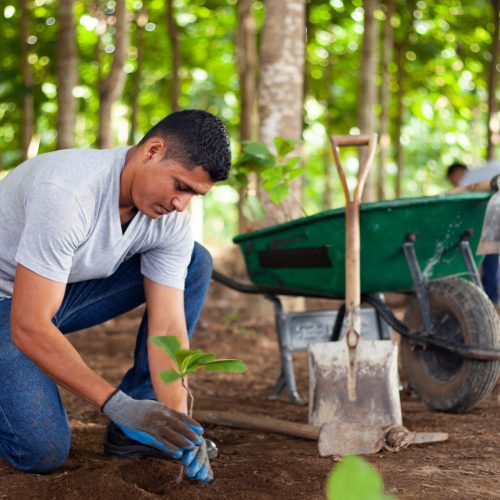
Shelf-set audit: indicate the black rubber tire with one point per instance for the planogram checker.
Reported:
(445, 381)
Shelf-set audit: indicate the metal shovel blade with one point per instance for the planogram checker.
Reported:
(376, 384)
(347, 438)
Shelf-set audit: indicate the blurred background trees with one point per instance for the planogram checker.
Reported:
(98, 73)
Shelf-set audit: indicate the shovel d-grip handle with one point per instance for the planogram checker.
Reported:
(352, 237)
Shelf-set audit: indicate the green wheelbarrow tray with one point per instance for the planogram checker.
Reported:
(307, 255)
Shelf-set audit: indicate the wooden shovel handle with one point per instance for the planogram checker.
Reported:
(352, 248)
(338, 141)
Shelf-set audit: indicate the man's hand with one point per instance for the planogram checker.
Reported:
(197, 464)
(154, 424)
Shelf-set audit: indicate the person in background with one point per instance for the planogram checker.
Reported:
(460, 175)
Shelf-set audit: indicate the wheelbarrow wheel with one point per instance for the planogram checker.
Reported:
(446, 381)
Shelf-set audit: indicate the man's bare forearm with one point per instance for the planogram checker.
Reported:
(47, 347)
(173, 395)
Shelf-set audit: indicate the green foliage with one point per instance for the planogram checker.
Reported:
(188, 361)
(355, 479)
(274, 172)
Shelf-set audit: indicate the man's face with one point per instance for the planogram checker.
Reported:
(162, 186)
(456, 176)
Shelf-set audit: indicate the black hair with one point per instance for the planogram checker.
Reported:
(195, 138)
(454, 167)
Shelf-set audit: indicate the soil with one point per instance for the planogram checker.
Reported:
(254, 465)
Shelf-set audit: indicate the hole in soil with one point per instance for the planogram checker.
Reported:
(153, 476)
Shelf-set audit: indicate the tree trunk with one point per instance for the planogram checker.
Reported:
(327, 152)
(493, 128)
(28, 112)
(142, 19)
(246, 59)
(281, 89)
(112, 85)
(368, 89)
(173, 36)
(67, 75)
(385, 141)
(400, 50)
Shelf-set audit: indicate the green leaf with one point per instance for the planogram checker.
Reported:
(170, 344)
(279, 193)
(354, 479)
(295, 173)
(198, 359)
(225, 365)
(256, 149)
(181, 355)
(169, 376)
(292, 162)
(284, 146)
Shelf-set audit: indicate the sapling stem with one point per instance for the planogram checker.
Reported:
(178, 480)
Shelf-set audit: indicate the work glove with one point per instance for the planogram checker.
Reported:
(152, 423)
(197, 463)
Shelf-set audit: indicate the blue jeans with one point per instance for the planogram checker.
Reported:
(34, 431)
(490, 277)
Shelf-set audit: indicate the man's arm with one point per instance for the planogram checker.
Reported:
(166, 316)
(35, 301)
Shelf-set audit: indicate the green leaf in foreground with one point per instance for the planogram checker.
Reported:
(355, 479)
(169, 343)
(198, 359)
(169, 376)
(225, 365)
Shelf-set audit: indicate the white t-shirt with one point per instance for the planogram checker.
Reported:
(59, 217)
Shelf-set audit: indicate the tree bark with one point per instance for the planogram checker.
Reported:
(493, 124)
(247, 60)
(67, 75)
(173, 36)
(142, 19)
(368, 89)
(327, 151)
(400, 50)
(28, 111)
(112, 85)
(385, 141)
(281, 89)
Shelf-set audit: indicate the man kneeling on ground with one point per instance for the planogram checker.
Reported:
(86, 235)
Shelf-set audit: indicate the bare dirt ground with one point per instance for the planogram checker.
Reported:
(254, 465)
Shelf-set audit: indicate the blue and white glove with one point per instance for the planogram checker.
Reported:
(197, 464)
(154, 424)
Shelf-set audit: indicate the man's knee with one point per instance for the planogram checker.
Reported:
(39, 454)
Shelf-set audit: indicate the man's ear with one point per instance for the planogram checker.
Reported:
(154, 147)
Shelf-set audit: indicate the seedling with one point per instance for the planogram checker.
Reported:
(188, 361)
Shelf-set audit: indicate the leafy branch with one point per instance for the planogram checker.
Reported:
(275, 172)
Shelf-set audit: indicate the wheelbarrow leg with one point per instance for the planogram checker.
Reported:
(418, 282)
(469, 258)
(286, 380)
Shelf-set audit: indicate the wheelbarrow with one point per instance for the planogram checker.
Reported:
(424, 247)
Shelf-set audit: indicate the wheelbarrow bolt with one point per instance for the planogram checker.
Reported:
(468, 234)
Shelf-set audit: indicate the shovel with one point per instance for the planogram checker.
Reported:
(334, 438)
(354, 381)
